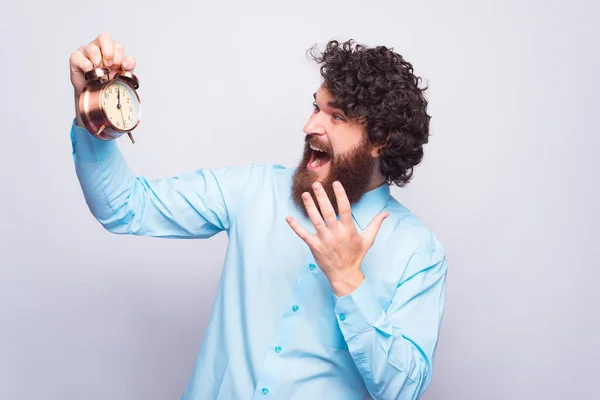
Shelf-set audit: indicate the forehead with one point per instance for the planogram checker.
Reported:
(325, 98)
(323, 94)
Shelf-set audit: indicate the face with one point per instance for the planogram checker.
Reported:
(336, 148)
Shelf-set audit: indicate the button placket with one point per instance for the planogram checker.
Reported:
(285, 331)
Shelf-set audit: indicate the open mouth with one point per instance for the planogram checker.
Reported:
(318, 158)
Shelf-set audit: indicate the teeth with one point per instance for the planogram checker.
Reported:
(315, 162)
(312, 146)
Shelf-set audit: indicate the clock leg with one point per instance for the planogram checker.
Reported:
(100, 130)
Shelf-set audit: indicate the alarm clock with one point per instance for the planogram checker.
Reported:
(110, 107)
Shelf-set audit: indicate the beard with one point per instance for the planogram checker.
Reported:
(352, 169)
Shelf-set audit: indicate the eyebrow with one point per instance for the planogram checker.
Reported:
(332, 104)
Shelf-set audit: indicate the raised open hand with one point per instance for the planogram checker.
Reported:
(337, 246)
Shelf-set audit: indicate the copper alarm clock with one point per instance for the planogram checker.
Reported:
(110, 107)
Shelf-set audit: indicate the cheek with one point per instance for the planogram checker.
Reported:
(343, 146)
(345, 139)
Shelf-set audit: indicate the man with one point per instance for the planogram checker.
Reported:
(330, 289)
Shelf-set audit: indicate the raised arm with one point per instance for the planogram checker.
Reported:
(191, 205)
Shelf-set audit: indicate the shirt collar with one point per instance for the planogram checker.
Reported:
(370, 204)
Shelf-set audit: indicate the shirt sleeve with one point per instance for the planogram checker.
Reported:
(196, 204)
(394, 348)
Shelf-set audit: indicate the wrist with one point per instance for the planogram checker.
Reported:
(79, 121)
(347, 283)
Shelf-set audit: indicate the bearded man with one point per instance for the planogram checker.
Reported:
(330, 288)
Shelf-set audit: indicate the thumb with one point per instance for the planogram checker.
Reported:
(373, 228)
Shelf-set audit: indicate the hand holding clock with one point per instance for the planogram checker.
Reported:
(101, 50)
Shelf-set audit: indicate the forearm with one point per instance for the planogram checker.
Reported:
(393, 343)
(390, 364)
(105, 179)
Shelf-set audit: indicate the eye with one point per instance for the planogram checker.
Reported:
(316, 107)
(338, 117)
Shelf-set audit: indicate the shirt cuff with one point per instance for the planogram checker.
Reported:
(87, 147)
(360, 311)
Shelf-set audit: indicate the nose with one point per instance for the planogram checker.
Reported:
(313, 126)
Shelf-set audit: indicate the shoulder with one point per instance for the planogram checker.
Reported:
(412, 243)
(407, 230)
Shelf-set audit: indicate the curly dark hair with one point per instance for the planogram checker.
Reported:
(377, 86)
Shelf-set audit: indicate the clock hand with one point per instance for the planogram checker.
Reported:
(119, 105)
(122, 117)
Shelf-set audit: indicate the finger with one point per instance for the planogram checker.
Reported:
(299, 230)
(313, 213)
(92, 52)
(79, 62)
(373, 228)
(129, 63)
(343, 204)
(324, 204)
(105, 43)
(119, 54)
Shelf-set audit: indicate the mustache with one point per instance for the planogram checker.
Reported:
(308, 140)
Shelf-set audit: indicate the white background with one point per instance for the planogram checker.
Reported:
(509, 184)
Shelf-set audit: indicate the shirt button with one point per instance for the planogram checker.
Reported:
(294, 308)
(264, 391)
(312, 267)
(342, 316)
(277, 349)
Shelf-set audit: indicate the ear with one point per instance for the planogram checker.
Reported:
(376, 149)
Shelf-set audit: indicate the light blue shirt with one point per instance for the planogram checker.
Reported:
(277, 331)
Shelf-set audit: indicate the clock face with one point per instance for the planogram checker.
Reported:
(121, 105)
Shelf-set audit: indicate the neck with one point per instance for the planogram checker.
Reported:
(376, 180)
